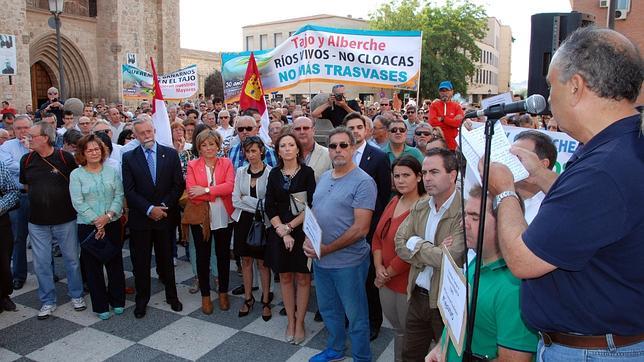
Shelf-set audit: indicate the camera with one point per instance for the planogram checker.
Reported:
(339, 97)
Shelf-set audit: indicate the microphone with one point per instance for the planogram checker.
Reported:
(534, 104)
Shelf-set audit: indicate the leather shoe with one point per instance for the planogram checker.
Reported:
(176, 306)
(7, 304)
(224, 303)
(373, 333)
(18, 284)
(139, 313)
(206, 305)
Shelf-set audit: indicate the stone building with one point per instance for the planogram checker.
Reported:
(96, 37)
(207, 63)
(493, 68)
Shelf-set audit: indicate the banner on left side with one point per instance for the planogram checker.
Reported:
(7, 54)
(180, 84)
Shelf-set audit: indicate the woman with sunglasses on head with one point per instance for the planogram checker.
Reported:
(211, 179)
(290, 189)
(250, 188)
(391, 271)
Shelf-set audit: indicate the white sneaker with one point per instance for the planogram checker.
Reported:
(79, 304)
(46, 310)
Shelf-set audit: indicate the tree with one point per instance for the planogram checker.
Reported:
(214, 85)
(450, 32)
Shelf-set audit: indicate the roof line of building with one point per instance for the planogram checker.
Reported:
(305, 18)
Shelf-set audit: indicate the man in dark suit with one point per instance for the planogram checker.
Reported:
(153, 183)
(376, 163)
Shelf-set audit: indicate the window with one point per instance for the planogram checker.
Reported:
(263, 41)
(249, 42)
(277, 39)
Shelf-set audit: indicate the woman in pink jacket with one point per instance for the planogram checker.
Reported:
(211, 179)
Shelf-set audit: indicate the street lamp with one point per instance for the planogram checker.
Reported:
(56, 8)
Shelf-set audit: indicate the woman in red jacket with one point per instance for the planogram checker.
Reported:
(391, 271)
(211, 179)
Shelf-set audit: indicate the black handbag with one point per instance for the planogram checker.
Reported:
(257, 233)
(102, 249)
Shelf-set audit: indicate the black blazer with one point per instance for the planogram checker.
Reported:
(376, 163)
(141, 193)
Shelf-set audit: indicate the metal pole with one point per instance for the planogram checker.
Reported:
(612, 7)
(61, 72)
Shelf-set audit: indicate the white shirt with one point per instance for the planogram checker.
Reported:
(357, 156)
(219, 217)
(424, 278)
(116, 131)
(532, 206)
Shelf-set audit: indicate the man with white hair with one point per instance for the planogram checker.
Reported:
(53, 105)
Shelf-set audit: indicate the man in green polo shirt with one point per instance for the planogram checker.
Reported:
(499, 331)
(397, 146)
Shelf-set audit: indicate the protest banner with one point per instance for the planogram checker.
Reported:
(7, 54)
(180, 84)
(382, 59)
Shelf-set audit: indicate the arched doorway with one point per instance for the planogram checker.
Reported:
(78, 82)
(40, 82)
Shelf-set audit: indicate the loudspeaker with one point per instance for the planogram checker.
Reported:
(549, 30)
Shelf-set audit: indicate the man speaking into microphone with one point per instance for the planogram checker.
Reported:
(582, 257)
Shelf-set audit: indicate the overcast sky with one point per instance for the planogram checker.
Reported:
(207, 25)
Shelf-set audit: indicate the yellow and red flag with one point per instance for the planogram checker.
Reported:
(252, 96)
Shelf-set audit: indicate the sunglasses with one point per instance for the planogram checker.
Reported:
(342, 145)
(247, 129)
(103, 131)
(224, 117)
(423, 133)
(302, 128)
(411, 111)
(397, 130)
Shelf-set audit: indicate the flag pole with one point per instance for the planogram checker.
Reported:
(420, 71)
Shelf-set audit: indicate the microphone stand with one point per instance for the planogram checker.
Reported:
(468, 355)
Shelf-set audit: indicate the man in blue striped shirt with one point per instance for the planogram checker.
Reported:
(8, 199)
(10, 154)
(247, 127)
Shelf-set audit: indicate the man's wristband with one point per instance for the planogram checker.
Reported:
(497, 200)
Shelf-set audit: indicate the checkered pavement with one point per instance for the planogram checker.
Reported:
(163, 335)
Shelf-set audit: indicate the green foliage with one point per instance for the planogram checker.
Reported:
(214, 84)
(450, 33)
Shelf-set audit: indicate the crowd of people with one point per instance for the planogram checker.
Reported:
(560, 274)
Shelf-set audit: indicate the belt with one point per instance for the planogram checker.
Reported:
(422, 291)
(588, 342)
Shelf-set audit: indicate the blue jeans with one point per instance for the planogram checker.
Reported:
(559, 353)
(19, 229)
(41, 241)
(341, 292)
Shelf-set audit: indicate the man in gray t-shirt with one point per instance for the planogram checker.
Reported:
(343, 204)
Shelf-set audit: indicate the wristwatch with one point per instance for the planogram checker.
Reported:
(501, 196)
(207, 190)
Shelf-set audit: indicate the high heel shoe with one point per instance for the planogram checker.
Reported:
(266, 306)
(297, 341)
(249, 303)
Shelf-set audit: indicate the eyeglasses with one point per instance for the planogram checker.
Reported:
(423, 133)
(302, 128)
(224, 117)
(397, 130)
(384, 105)
(342, 145)
(93, 150)
(53, 94)
(103, 131)
(247, 129)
